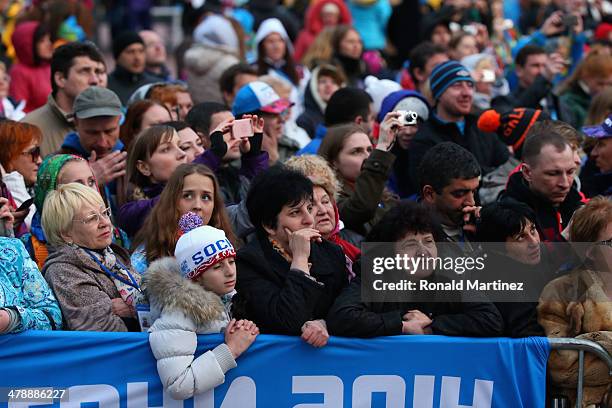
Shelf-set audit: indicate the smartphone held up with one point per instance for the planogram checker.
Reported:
(242, 128)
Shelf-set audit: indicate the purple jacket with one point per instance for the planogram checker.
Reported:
(131, 215)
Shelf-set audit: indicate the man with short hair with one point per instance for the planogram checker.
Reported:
(449, 176)
(129, 73)
(452, 88)
(423, 59)
(155, 55)
(97, 112)
(536, 71)
(234, 78)
(74, 67)
(546, 182)
(346, 105)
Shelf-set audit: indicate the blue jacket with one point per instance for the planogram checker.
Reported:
(72, 145)
(371, 23)
(24, 289)
(313, 146)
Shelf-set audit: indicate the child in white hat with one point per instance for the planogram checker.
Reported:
(189, 295)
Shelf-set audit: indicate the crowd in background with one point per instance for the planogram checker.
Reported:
(232, 192)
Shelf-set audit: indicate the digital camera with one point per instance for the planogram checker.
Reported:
(408, 118)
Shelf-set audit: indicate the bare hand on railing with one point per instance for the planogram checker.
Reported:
(416, 322)
(314, 332)
(240, 335)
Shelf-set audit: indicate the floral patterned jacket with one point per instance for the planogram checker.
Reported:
(25, 291)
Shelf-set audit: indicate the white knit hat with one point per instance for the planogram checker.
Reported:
(273, 25)
(378, 89)
(201, 247)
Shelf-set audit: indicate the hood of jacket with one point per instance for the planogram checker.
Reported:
(273, 25)
(217, 31)
(167, 291)
(312, 99)
(314, 24)
(200, 59)
(23, 41)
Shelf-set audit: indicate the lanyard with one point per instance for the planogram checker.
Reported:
(133, 282)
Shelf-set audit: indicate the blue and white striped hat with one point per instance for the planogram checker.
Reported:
(445, 74)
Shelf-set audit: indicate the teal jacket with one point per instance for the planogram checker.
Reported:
(25, 291)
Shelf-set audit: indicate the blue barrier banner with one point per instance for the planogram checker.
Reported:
(118, 370)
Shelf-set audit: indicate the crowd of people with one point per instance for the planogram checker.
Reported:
(235, 192)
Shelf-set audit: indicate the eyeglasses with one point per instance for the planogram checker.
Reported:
(95, 218)
(33, 153)
(607, 242)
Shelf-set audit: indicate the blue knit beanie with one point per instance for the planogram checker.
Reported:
(445, 74)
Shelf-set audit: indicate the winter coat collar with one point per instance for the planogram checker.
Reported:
(168, 291)
(123, 75)
(551, 219)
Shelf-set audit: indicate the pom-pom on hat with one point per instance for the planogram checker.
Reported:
(511, 127)
(200, 246)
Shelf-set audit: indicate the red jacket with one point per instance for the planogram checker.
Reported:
(314, 25)
(29, 82)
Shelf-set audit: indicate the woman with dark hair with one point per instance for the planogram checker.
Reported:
(409, 229)
(30, 75)
(189, 141)
(347, 51)
(140, 116)
(154, 156)
(516, 255)
(362, 170)
(288, 276)
(191, 188)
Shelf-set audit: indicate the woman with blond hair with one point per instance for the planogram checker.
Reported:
(579, 305)
(92, 278)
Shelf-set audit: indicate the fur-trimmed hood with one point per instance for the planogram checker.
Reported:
(168, 291)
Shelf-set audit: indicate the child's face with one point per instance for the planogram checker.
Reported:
(219, 278)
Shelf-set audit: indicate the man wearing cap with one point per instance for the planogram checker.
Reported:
(97, 112)
(452, 89)
(596, 182)
(74, 67)
(406, 101)
(129, 74)
(258, 98)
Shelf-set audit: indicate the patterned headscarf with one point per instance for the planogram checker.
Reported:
(46, 181)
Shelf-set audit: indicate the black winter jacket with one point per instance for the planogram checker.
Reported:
(350, 317)
(279, 299)
(489, 151)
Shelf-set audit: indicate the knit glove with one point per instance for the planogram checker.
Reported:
(218, 145)
(256, 141)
